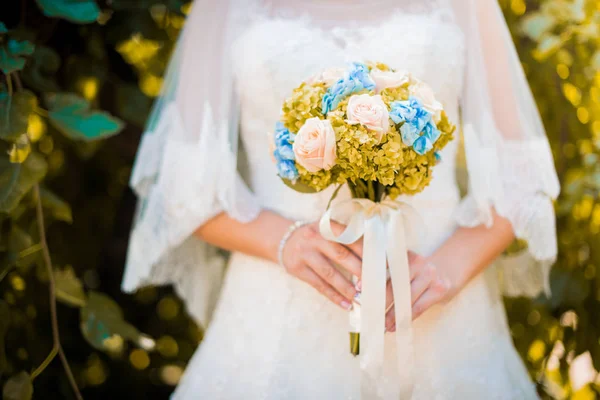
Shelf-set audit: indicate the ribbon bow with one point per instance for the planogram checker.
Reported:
(386, 226)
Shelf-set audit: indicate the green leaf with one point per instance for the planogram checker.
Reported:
(132, 105)
(299, 186)
(59, 209)
(69, 288)
(18, 387)
(14, 113)
(39, 72)
(102, 319)
(71, 115)
(17, 179)
(78, 11)
(12, 55)
(3, 28)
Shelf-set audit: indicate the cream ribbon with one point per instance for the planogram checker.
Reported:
(386, 226)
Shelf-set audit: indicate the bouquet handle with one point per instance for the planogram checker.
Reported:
(385, 226)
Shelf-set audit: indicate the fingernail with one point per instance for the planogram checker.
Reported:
(359, 286)
(392, 329)
(346, 305)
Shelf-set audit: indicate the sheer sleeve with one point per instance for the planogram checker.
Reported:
(185, 171)
(509, 160)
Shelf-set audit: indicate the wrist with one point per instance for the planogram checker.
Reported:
(292, 228)
(268, 239)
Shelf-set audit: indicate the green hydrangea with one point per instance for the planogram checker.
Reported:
(305, 103)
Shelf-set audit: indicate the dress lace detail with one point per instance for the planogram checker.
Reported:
(527, 189)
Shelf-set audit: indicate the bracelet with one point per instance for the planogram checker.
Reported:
(286, 236)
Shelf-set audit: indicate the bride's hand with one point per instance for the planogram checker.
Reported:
(429, 285)
(312, 259)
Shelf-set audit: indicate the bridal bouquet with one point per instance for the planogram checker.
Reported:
(379, 131)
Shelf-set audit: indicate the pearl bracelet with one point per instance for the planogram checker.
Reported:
(286, 236)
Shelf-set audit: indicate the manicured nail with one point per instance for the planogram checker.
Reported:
(359, 286)
(346, 305)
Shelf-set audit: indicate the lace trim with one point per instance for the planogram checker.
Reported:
(192, 183)
(523, 195)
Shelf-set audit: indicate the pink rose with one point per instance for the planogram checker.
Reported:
(388, 79)
(314, 145)
(369, 111)
(328, 76)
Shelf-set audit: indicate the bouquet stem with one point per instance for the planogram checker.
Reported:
(375, 192)
(355, 343)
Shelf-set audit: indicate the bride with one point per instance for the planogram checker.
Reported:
(277, 316)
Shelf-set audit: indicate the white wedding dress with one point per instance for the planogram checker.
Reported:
(272, 336)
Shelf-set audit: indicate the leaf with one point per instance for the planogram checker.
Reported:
(18, 387)
(299, 186)
(102, 318)
(39, 72)
(20, 149)
(132, 105)
(17, 179)
(3, 28)
(14, 113)
(69, 288)
(538, 24)
(71, 114)
(58, 208)
(78, 11)
(12, 56)
(548, 46)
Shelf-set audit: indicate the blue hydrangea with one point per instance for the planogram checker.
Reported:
(422, 145)
(284, 153)
(432, 132)
(418, 129)
(286, 169)
(356, 79)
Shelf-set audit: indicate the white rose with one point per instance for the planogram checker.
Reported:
(328, 76)
(369, 111)
(423, 92)
(388, 79)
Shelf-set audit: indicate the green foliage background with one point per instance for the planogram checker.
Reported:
(77, 72)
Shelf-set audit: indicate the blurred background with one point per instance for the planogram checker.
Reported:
(77, 81)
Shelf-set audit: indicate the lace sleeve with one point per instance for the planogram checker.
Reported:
(509, 160)
(185, 172)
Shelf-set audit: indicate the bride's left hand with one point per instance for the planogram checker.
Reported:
(430, 284)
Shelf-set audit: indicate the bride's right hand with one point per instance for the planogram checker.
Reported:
(313, 259)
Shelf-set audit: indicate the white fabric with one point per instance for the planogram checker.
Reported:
(273, 337)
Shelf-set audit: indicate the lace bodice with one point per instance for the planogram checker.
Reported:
(275, 53)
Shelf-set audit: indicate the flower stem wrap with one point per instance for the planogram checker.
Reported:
(386, 226)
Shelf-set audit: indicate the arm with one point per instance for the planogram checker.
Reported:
(306, 255)
(259, 238)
